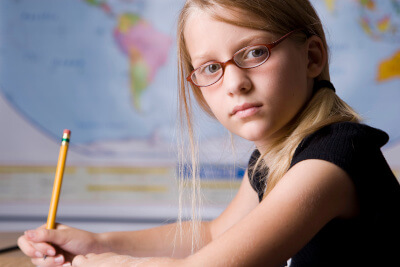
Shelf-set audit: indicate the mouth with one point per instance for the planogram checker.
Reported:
(246, 110)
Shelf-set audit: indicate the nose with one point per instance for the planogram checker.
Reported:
(236, 80)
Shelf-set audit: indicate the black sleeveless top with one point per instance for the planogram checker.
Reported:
(371, 239)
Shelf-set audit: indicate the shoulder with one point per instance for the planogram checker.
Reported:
(356, 149)
(346, 132)
(341, 143)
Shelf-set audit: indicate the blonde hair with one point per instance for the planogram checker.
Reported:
(278, 17)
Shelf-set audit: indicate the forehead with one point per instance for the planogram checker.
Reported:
(207, 37)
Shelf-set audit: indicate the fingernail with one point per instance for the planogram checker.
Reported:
(51, 252)
(59, 259)
(66, 264)
(38, 254)
(30, 233)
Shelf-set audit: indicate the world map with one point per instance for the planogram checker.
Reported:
(106, 69)
(382, 23)
(364, 36)
(380, 20)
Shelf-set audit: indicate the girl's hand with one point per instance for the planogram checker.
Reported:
(60, 245)
(112, 259)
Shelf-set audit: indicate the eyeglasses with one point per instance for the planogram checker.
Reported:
(246, 58)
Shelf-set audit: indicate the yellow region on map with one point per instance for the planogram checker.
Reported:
(369, 4)
(330, 5)
(384, 24)
(390, 68)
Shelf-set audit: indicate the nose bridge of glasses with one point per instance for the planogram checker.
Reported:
(229, 61)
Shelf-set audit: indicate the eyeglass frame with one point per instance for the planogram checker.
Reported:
(223, 64)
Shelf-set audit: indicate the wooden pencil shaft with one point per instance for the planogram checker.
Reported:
(51, 218)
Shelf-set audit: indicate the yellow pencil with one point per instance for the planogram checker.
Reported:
(55, 196)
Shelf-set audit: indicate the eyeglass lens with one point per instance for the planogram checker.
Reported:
(248, 57)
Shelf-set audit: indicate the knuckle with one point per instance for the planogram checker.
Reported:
(30, 251)
(45, 235)
(41, 233)
(43, 247)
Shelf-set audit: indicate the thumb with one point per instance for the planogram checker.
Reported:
(45, 235)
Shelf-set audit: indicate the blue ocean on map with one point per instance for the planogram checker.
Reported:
(61, 67)
(106, 70)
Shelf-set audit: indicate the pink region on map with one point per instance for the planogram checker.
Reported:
(142, 39)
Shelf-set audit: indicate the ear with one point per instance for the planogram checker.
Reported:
(317, 56)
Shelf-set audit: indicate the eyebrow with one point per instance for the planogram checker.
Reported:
(246, 41)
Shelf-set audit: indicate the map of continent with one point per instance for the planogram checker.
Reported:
(146, 48)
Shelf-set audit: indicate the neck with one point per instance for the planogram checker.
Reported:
(265, 146)
(276, 139)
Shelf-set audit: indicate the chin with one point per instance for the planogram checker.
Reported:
(252, 138)
(253, 135)
(253, 131)
(258, 132)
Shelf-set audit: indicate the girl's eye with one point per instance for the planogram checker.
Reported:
(251, 56)
(211, 68)
(256, 52)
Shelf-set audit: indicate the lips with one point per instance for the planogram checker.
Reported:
(245, 106)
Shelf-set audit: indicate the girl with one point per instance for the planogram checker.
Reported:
(317, 190)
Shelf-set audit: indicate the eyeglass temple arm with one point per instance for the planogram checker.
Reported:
(273, 44)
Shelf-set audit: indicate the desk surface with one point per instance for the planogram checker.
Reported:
(15, 257)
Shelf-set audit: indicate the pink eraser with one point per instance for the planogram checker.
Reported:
(67, 131)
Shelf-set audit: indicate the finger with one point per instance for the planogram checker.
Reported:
(58, 260)
(45, 235)
(37, 243)
(79, 261)
(58, 226)
(26, 247)
(35, 250)
(44, 249)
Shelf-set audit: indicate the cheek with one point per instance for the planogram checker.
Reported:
(284, 88)
(213, 101)
(288, 77)
(219, 107)
(289, 66)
